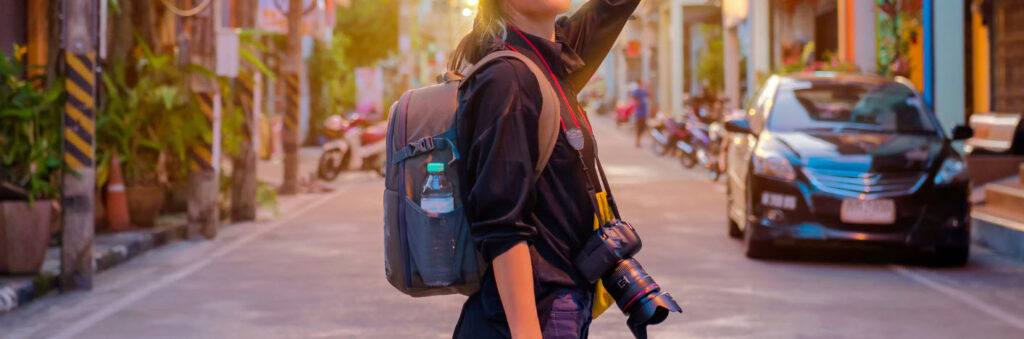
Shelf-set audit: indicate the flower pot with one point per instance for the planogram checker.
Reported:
(176, 197)
(144, 203)
(24, 235)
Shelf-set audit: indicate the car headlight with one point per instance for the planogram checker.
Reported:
(773, 164)
(952, 170)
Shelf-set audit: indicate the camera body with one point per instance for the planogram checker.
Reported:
(608, 256)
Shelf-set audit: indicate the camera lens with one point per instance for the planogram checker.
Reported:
(638, 296)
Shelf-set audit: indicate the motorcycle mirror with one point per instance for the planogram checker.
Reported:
(961, 132)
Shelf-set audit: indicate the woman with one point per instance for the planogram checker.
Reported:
(529, 231)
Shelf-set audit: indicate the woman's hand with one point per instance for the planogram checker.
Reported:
(513, 272)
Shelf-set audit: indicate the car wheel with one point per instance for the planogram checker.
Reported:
(657, 147)
(688, 161)
(951, 256)
(734, 229)
(328, 169)
(754, 248)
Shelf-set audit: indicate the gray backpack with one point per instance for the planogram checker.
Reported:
(427, 255)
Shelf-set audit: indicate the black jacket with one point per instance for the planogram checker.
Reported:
(496, 125)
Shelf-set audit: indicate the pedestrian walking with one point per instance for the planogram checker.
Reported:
(640, 102)
(529, 229)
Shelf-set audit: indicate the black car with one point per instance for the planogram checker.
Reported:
(834, 159)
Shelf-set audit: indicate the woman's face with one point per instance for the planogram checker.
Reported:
(539, 8)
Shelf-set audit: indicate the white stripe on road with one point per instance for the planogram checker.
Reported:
(995, 312)
(130, 298)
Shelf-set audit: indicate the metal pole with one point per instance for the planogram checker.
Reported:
(80, 24)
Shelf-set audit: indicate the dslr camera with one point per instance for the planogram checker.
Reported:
(608, 256)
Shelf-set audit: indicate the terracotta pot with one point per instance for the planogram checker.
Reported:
(144, 203)
(176, 197)
(24, 235)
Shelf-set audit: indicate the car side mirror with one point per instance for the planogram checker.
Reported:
(961, 132)
(738, 126)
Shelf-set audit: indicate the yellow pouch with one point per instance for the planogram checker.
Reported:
(602, 300)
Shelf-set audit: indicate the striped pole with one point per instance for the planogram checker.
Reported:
(79, 180)
(203, 207)
(79, 131)
(203, 210)
(291, 134)
(202, 153)
(243, 169)
(291, 68)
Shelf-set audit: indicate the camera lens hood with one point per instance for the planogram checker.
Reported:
(651, 310)
(638, 296)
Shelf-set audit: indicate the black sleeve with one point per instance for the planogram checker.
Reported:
(592, 31)
(498, 133)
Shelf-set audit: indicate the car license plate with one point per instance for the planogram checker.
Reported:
(857, 211)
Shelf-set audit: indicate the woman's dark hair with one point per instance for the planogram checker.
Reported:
(488, 26)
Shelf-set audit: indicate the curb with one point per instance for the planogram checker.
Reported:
(1002, 235)
(109, 251)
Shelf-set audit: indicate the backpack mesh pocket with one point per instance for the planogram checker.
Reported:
(434, 245)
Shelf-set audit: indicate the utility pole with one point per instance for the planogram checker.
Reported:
(203, 213)
(243, 176)
(80, 39)
(292, 68)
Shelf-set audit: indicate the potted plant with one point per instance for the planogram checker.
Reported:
(30, 165)
(150, 121)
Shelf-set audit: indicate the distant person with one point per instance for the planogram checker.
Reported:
(529, 230)
(640, 101)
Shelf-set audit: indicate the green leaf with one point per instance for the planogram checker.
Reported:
(20, 113)
(257, 63)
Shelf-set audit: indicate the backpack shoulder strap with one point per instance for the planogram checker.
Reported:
(547, 126)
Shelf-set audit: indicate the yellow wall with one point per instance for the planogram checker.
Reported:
(916, 59)
(980, 59)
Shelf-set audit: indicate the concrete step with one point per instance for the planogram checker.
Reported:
(1000, 229)
(1008, 197)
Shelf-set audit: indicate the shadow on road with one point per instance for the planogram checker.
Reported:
(852, 256)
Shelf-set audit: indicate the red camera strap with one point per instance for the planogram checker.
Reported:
(600, 170)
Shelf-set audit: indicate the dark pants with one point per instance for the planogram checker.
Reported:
(564, 315)
(641, 127)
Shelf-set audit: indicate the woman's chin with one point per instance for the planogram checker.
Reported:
(543, 7)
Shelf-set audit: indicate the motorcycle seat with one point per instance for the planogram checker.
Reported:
(373, 135)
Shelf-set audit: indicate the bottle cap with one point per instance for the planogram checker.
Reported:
(435, 167)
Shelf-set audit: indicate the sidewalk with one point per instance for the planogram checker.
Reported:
(113, 249)
(272, 171)
(109, 250)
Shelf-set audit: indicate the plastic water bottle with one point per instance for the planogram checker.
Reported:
(437, 197)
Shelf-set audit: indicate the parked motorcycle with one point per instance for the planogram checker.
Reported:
(670, 135)
(355, 144)
(623, 113)
(707, 134)
(716, 162)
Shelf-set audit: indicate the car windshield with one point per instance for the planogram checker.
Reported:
(848, 107)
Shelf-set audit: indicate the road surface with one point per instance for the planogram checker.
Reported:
(317, 272)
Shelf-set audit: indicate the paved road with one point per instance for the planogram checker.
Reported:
(316, 272)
